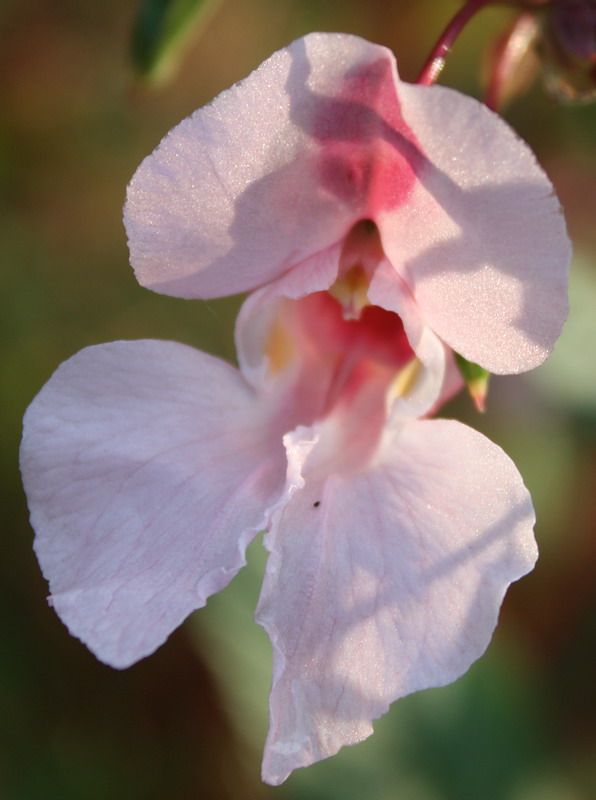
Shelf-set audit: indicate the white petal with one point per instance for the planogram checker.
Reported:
(386, 582)
(148, 469)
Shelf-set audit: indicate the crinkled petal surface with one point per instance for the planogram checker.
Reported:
(386, 582)
(148, 471)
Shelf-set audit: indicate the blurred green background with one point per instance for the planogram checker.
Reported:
(190, 721)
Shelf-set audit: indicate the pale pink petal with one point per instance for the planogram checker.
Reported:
(275, 169)
(148, 470)
(482, 240)
(385, 582)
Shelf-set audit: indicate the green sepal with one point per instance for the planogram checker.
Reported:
(476, 379)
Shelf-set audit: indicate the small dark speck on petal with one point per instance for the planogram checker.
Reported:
(317, 504)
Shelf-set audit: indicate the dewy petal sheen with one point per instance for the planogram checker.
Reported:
(379, 228)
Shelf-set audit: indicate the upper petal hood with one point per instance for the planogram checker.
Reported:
(275, 169)
(324, 134)
(148, 470)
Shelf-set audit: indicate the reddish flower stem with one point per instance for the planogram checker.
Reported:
(436, 60)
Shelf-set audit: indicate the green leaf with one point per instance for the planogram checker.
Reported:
(161, 31)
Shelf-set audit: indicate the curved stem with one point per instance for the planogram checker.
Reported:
(436, 60)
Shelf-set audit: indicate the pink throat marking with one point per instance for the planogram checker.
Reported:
(343, 363)
(369, 158)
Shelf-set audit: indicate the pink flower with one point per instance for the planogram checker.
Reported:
(379, 226)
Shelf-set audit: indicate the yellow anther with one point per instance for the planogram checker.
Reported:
(406, 379)
(280, 347)
(351, 291)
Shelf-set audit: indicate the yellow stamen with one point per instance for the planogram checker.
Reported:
(351, 291)
(405, 379)
(280, 347)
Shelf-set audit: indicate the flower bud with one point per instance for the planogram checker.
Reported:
(569, 49)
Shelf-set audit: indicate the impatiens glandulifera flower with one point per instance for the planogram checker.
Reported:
(379, 227)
